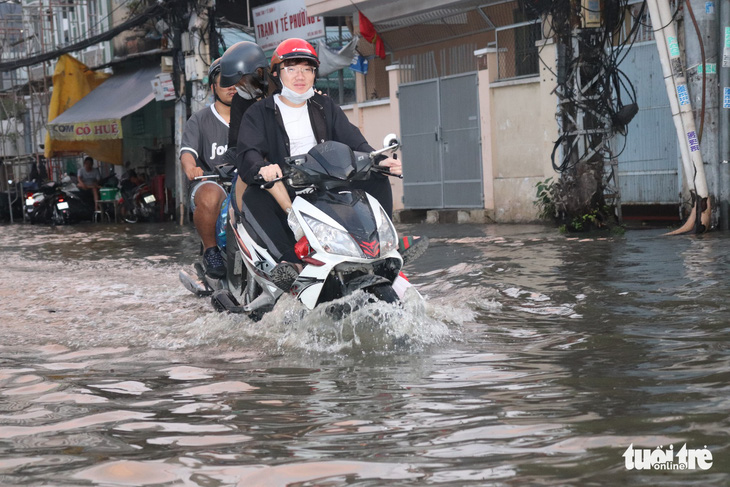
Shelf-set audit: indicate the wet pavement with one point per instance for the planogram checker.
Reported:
(535, 358)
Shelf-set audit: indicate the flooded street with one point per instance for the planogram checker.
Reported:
(535, 359)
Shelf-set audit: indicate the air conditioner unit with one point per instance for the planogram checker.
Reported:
(36, 72)
(93, 57)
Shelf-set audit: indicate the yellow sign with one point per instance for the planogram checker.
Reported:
(96, 130)
(72, 80)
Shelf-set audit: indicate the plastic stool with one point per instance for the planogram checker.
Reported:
(106, 212)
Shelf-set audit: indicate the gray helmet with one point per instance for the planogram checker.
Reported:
(213, 70)
(240, 59)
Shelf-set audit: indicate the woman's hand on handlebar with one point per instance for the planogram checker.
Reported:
(394, 166)
(270, 172)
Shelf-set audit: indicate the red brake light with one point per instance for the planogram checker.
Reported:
(311, 260)
(303, 251)
(301, 248)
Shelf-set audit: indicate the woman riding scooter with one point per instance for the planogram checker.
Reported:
(290, 123)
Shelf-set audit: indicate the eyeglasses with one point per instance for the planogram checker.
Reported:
(292, 70)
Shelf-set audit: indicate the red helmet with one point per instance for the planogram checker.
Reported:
(293, 49)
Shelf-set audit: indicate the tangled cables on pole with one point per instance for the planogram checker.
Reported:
(597, 99)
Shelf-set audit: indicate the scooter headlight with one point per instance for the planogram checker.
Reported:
(333, 240)
(386, 233)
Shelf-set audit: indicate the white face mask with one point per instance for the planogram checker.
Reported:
(246, 95)
(295, 97)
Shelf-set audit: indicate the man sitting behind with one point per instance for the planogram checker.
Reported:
(203, 145)
(88, 178)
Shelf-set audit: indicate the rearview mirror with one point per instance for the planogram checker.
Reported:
(390, 140)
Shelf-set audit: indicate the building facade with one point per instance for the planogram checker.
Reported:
(467, 85)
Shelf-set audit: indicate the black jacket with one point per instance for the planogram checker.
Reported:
(239, 105)
(262, 139)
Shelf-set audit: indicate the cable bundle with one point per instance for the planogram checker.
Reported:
(594, 54)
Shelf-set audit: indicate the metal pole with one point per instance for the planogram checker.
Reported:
(340, 75)
(661, 44)
(724, 119)
(696, 180)
(180, 176)
(704, 14)
(10, 201)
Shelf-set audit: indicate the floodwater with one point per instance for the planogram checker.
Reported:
(534, 358)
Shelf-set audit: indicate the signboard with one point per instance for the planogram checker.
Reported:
(359, 64)
(96, 130)
(163, 87)
(278, 21)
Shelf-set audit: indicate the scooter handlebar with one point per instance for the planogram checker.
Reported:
(384, 170)
(206, 176)
(391, 148)
(258, 179)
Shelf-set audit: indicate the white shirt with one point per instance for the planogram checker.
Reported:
(298, 127)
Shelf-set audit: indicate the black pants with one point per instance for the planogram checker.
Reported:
(264, 217)
(87, 196)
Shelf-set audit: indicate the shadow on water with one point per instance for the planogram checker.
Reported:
(535, 359)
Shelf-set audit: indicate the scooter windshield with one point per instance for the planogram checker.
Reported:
(334, 159)
(350, 209)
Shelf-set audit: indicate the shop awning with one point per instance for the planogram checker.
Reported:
(98, 115)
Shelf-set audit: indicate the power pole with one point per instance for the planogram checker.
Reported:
(701, 48)
(586, 132)
(590, 109)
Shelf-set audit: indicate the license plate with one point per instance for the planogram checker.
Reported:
(62, 205)
(150, 198)
(29, 202)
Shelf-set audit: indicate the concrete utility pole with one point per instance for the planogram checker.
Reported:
(587, 133)
(702, 82)
(723, 53)
(192, 46)
(178, 75)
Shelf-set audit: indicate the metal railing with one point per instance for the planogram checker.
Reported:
(517, 53)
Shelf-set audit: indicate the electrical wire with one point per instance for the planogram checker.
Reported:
(156, 10)
(602, 49)
(98, 22)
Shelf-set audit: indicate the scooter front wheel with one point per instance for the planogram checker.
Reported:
(383, 292)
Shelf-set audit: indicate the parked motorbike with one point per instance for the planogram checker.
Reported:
(344, 237)
(137, 201)
(58, 204)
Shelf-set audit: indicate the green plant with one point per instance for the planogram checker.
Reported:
(586, 222)
(545, 202)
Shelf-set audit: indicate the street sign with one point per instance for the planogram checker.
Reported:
(278, 21)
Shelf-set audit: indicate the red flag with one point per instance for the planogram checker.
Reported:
(367, 29)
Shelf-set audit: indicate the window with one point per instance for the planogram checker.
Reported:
(518, 55)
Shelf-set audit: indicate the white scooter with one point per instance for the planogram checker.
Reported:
(344, 237)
